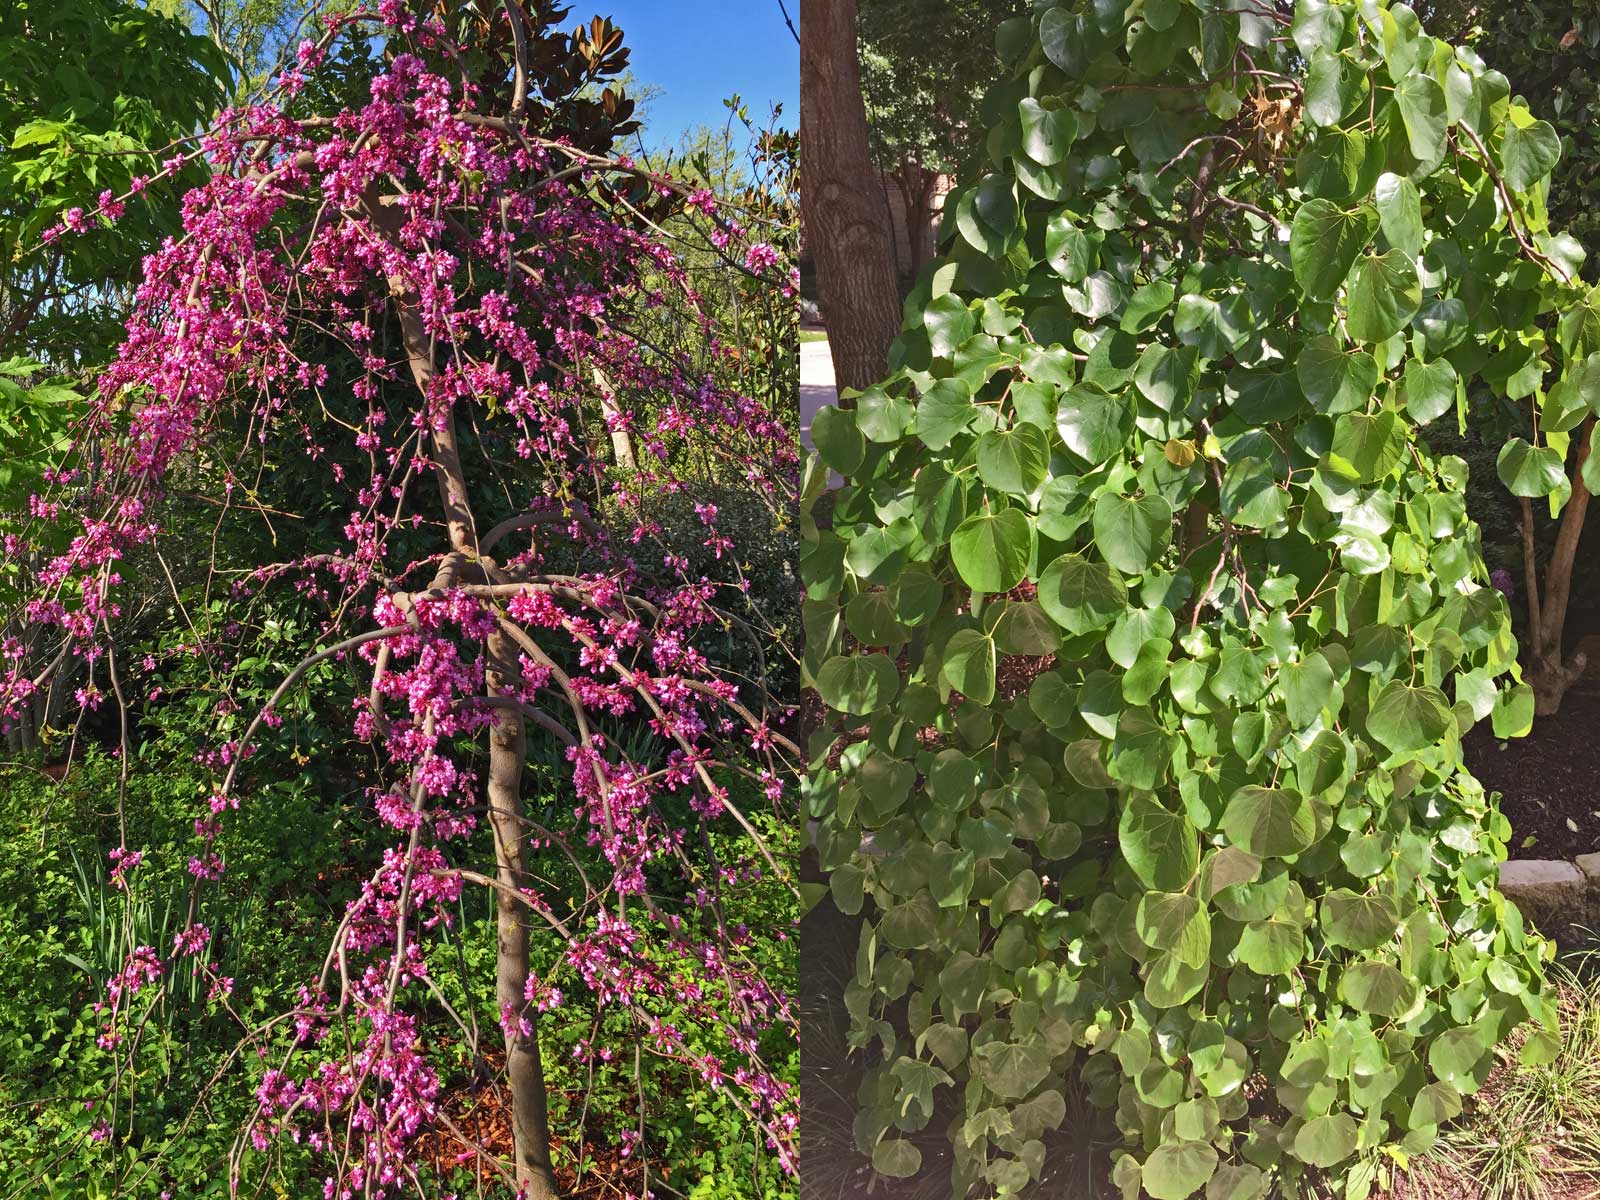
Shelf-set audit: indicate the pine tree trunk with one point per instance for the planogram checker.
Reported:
(846, 227)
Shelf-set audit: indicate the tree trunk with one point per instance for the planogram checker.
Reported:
(916, 187)
(507, 756)
(621, 442)
(845, 225)
(524, 1066)
(1550, 673)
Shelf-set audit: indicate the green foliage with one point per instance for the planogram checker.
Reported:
(1146, 593)
(94, 92)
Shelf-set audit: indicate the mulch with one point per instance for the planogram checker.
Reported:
(1549, 781)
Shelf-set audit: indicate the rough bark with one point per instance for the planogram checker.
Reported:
(846, 228)
(916, 188)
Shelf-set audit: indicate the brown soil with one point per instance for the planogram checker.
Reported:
(1550, 780)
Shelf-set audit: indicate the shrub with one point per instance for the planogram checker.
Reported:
(1148, 628)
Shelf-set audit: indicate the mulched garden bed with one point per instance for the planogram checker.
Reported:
(1547, 780)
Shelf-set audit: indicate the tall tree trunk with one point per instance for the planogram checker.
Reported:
(1550, 673)
(524, 1066)
(845, 225)
(507, 758)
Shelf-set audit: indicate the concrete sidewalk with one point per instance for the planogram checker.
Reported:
(817, 386)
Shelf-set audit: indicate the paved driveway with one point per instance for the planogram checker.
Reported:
(816, 385)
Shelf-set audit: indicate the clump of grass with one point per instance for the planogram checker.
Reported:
(1535, 1132)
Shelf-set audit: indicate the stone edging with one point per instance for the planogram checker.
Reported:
(1555, 894)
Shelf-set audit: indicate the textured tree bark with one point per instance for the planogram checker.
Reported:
(846, 228)
(916, 186)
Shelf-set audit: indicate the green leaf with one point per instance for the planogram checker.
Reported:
(1456, 1055)
(1132, 533)
(1435, 1104)
(950, 875)
(1328, 89)
(881, 417)
(838, 439)
(1318, 25)
(1326, 1141)
(1430, 389)
(1269, 822)
(1420, 100)
(1384, 295)
(1529, 154)
(1213, 327)
(1333, 379)
(1176, 922)
(1366, 448)
(1047, 133)
(969, 665)
(944, 411)
(1407, 719)
(1324, 243)
(949, 323)
(859, 684)
(1166, 376)
(1530, 470)
(1274, 946)
(1161, 848)
(1014, 460)
(1068, 249)
(1377, 988)
(991, 550)
(896, 1158)
(1147, 306)
(1356, 921)
(1308, 687)
(1176, 1170)
(1237, 1181)
(1080, 595)
(1093, 424)
(1400, 213)
(1010, 1069)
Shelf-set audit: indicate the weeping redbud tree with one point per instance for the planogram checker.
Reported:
(1149, 627)
(455, 257)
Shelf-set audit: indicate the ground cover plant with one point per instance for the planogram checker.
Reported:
(1148, 627)
(507, 682)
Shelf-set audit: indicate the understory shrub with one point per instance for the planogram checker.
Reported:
(1148, 627)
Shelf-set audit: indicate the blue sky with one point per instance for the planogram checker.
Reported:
(697, 52)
